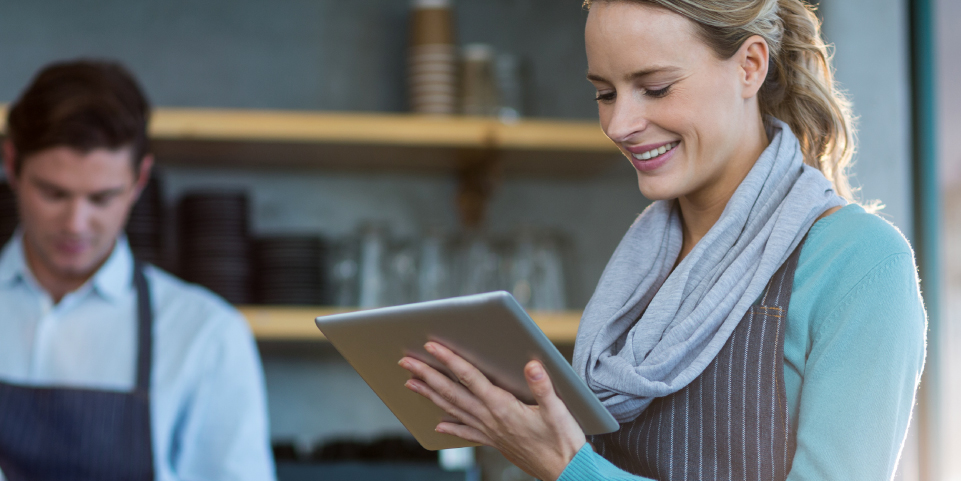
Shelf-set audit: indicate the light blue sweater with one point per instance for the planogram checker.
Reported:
(853, 354)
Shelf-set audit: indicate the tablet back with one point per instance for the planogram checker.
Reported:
(490, 330)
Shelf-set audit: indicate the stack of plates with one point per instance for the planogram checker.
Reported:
(8, 213)
(214, 248)
(290, 270)
(145, 225)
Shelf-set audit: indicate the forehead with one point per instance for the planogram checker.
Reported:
(80, 172)
(629, 35)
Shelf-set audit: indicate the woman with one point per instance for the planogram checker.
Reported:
(752, 324)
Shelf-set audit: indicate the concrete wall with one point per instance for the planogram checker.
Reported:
(289, 54)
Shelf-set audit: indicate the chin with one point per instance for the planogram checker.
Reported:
(81, 265)
(653, 189)
(75, 268)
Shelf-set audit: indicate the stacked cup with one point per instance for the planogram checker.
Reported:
(432, 60)
(479, 92)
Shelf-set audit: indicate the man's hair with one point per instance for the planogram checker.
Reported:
(84, 105)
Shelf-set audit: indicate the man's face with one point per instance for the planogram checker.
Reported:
(73, 206)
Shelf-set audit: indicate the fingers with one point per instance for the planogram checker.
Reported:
(464, 432)
(468, 375)
(420, 387)
(445, 393)
(541, 387)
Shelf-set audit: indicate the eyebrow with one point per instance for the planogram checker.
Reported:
(638, 74)
(100, 193)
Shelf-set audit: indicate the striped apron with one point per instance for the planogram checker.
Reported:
(63, 434)
(731, 422)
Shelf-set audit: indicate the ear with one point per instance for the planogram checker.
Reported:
(9, 155)
(143, 175)
(753, 62)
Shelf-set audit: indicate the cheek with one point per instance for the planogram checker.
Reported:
(114, 216)
(721, 96)
(604, 114)
(711, 116)
(37, 208)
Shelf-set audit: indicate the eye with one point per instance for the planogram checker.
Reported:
(657, 93)
(102, 200)
(53, 194)
(605, 97)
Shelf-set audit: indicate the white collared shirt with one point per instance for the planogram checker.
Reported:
(208, 404)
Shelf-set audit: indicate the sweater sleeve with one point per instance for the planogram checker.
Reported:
(860, 378)
(590, 466)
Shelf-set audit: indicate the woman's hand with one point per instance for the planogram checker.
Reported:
(539, 439)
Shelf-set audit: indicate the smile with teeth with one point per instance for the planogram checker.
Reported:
(655, 152)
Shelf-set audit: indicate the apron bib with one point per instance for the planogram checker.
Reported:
(54, 433)
(731, 422)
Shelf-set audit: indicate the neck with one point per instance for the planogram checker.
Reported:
(56, 283)
(701, 209)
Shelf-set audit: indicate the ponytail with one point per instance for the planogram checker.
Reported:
(802, 92)
(800, 88)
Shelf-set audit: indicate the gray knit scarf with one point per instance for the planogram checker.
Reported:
(686, 316)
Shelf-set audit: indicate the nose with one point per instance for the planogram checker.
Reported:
(78, 216)
(627, 119)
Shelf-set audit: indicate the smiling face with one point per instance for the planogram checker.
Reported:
(687, 120)
(72, 208)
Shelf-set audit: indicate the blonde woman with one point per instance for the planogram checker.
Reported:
(754, 322)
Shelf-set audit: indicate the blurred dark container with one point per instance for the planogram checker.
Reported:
(380, 450)
(363, 471)
(384, 449)
(214, 246)
(145, 224)
(389, 458)
(8, 213)
(290, 270)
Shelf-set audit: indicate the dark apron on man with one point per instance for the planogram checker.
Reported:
(59, 433)
(731, 422)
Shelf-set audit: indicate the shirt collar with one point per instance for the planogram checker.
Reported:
(115, 276)
(112, 280)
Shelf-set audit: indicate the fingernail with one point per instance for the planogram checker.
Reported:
(430, 348)
(537, 373)
(404, 364)
(410, 385)
(439, 430)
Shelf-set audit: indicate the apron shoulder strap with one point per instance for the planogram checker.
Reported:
(144, 330)
(778, 292)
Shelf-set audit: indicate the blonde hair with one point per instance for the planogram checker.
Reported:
(800, 88)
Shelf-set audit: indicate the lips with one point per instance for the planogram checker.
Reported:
(651, 156)
(72, 247)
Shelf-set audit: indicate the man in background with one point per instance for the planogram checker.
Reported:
(110, 369)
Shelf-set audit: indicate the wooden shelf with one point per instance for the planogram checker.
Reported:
(381, 141)
(275, 323)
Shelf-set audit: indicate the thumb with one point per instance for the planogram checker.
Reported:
(541, 387)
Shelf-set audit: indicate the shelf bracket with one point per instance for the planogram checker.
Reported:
(479, 174)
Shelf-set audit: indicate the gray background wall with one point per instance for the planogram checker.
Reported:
(339, 55)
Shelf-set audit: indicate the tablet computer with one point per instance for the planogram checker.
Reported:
(490, 330)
